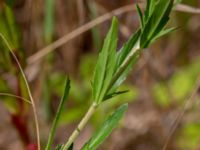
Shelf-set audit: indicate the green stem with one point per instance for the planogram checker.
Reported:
(80, 126)
(124, 65)
(94, 106)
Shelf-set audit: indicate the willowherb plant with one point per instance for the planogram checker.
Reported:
(112, 67)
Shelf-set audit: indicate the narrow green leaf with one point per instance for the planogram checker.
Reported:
(156, 21)
(8, 26)
(49, 20)
(122, 56)
(149, 8)
(126, 49)
(105, 64)
(11, 25)
(58, 114)
(140, 15)
(61, 146)
(126, 70)
(106, 129)
(114, 94)
(163, 33)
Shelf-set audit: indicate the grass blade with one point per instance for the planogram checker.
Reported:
(106, 129)
(58, 114)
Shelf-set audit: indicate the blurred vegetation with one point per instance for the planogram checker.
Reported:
(162, 80)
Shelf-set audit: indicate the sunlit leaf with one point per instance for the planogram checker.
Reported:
(105, 64)
(156, 21)
(105, 129)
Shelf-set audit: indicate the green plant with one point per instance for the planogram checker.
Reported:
(111, 70)
(112, 67)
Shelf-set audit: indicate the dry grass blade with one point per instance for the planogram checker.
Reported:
(187, 9)
(43, 52)
(182, 113)
(15, 96)
(28, 89)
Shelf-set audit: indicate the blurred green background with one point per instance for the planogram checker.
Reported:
(159, 85)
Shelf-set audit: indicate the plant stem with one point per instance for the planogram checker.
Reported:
(123, 66)
(81, 125)
(94, 106)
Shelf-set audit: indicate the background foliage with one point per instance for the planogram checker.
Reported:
(159, 85)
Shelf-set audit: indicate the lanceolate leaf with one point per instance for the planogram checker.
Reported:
(140, 15)
(109, 96)
(163, 33)
(156, 21)
(106, 129)
(105, 64)
(150, 8)
(58, 114)
(126, 70)
(126, 49)
(122, 56)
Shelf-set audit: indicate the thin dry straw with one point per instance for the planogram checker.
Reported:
(15, 96)
(69, 36)
(182, 113)
(28, 89)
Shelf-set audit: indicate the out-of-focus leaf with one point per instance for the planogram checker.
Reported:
(8, 27)
(105, 64)
(177, 2)
(10, 2)
(161, 95)
(122, 55)
(87, 66)
(58, 114)
(179, 86)
(49, 20)
(96, 30)
(106, 129)
(189, 136)
(57, 80)
(61, 146)
(72, 115)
